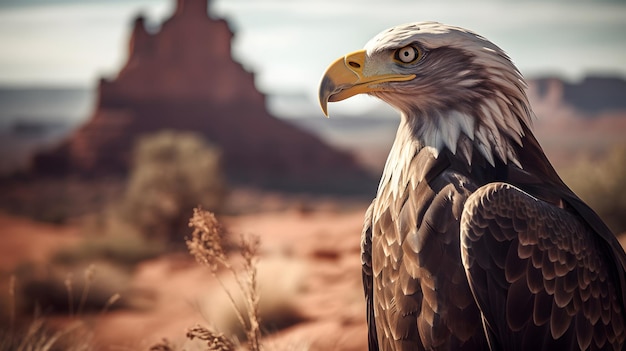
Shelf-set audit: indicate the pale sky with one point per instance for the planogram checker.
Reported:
(289, 43)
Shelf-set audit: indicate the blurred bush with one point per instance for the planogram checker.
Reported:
(600, 184)
(123, 249)
(71, 291)
(172, 173)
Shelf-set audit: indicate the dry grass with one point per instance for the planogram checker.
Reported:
(279, 282)
(207, 246)
(240, 312)
(163, 345)
(214, 341)
(208, 339)
(39, 334)
(71, 291)
(74, 295)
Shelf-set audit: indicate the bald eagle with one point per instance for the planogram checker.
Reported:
(473, 242)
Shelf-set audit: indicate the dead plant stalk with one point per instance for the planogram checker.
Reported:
(206, 246)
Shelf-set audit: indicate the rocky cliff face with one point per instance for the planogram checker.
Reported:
(183, 78)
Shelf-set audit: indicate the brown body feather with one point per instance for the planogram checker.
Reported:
(541, 276)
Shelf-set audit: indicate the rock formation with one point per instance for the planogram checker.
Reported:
(593, 94)
(182, 77)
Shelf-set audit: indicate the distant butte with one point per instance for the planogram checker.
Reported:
(184, 78)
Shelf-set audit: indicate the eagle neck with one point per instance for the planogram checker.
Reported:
(493, 133)
(398, 167)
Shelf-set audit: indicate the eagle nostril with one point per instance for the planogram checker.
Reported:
(354, 64)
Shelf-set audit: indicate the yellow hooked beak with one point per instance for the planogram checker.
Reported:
(345, 78)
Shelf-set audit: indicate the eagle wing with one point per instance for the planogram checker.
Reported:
(368, 283)
(539, 271)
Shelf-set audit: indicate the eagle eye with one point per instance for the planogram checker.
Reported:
(408, 54)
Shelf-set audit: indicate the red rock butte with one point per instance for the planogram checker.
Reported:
(183, 77)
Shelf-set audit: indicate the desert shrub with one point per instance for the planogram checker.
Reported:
(123, 249)
(36, 334)
(600, 184)
(58, 200)
(37, 291)
(71, 291)
(172, 173)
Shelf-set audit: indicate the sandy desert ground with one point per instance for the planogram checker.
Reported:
(309, 261)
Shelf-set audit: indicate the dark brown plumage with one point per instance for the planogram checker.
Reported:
(473, 242)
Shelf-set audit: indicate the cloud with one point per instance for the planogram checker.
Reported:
(68, 44)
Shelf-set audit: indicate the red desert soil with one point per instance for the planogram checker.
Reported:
(25, 240)
(329, 299)
(313, 256)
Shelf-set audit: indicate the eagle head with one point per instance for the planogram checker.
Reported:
(454, 88)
